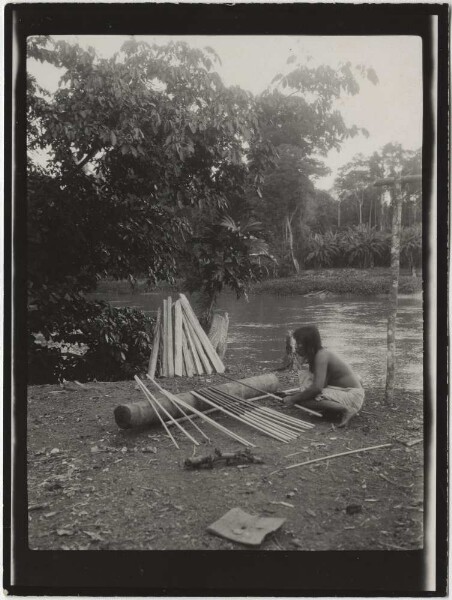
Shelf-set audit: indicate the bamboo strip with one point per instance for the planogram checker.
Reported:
(148, 397)
(178, 339)
(270, 394)
(187, 417)
(206, 412)
(314, 460)
(263, 422)
(308, 410)
(213, 356)
(155, 345)
(298, 423)
(170, 338)
(161, 353)
(192, 347)
(205, 417)
(165, 339)
(242, 420)
(252, 414)
(188, 362)
(199, 349)
(163, 409)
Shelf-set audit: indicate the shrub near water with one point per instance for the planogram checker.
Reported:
(80, 340)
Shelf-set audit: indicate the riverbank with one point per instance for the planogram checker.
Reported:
(93, 486)
(359, 282)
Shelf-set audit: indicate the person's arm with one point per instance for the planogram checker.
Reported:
(320, 370)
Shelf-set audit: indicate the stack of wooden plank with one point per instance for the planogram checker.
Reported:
(181, 346)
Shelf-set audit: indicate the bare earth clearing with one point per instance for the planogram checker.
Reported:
(93, 486)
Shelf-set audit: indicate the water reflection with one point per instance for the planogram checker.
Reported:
(353, 327)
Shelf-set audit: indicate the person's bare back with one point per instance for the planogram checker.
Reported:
(338, 372)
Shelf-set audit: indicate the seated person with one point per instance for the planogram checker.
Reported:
(333, 387)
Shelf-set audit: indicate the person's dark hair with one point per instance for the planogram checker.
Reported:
(309, 337)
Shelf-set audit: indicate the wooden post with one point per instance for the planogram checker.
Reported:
(155, 345)
(178, 339)
(169, 348)
(396, 185)
(165, 340)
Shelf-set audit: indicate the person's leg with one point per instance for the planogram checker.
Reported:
(330, 408)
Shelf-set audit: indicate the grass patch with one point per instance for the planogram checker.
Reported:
(362, 282)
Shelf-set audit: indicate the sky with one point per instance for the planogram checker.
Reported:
(391, 111)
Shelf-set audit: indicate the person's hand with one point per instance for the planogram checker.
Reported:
(281, 395)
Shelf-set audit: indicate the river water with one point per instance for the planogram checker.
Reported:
(352, 326)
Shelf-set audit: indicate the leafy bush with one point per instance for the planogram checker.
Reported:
(324, 250)
(364, 247)
(411, 247)
(71, 338)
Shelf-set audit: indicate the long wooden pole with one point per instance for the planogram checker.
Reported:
(187, 417)
(155, 344)
(170, 348)
(238, 418)
(396, 184)
(205, 417)
(250, 414)
(268, 394)
(269, 414)
(150, 398)
(314, 460)
(163, 409)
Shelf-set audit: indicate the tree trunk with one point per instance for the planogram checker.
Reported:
(290, 241)
(218, 333)
(339, 215)
(393, 295)
(370, 214)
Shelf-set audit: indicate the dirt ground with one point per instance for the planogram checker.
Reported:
(94, 486)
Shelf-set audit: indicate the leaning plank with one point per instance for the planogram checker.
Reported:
(213, 356)
(178, 339)
(188, 361)
(207, 368)
(169, 348)
(155, 345)
(165, 339)
(192, 347)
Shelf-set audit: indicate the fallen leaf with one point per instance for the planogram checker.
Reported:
(65, 532)
(55, 451)
(311, 512)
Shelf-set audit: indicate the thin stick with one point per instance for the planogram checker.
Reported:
(254, 412)
(241, 419)
(205, 417)
(206, 412)
(244, 412)
(275, 414)
(148, 396)
(314, 460)
(175, 421)
(269, 394)
(170, 334)
(308, 410)
(163, 409)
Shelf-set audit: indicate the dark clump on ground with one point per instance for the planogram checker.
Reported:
(94, 486)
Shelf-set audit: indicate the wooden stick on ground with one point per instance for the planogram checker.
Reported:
(250, 416)
(155, 345)
(203, 416)
(242, 420)
(148, 397)
(312, 412)
(163, 409)
(186, 417)
(314, 460)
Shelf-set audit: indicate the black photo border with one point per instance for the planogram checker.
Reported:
(199, 573)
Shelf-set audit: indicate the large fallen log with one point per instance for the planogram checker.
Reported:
(141, 414)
